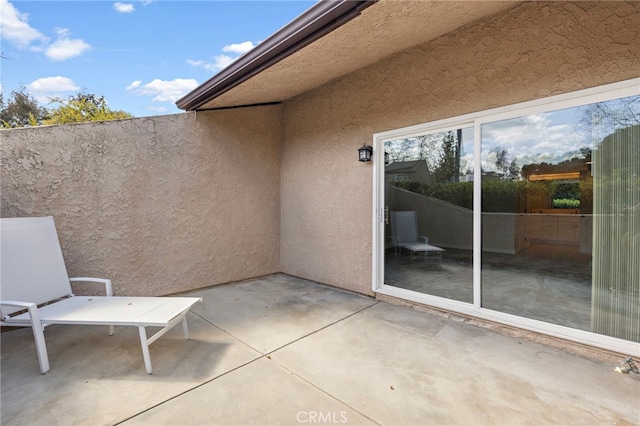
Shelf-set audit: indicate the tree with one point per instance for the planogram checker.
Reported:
(506, 163)
(21, 110)
(83, 107)
(578, 161)
(446, 169)
(612, 115)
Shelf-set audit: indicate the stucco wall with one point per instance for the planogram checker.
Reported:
(160, 205)
(532, 51)
(167, 204)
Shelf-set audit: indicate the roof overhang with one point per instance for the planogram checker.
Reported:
(330, 40)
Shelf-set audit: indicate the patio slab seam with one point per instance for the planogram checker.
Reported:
(323, 327)
(312, 384)
(263, 355)
(206, 382)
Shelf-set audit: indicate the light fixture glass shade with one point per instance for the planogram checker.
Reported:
(364, 153)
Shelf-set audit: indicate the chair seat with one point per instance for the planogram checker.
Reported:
(421, 247)
(121, 311)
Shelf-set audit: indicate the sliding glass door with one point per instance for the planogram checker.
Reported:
(428, 182)
(528, 215)
(552, 182)
(537, 217)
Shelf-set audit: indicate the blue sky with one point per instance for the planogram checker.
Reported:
(140, 55)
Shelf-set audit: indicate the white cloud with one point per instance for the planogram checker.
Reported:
(164, 90)
(134, 85)
(239, 48)
(218, 63)
(222, 61)
(536, 138)
(66, 48)
(15, 29)
(124, 7)
(51, 87)
(198, 63)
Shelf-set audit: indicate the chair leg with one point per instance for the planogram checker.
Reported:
(185, 328)
(145, 348)
(38, 335)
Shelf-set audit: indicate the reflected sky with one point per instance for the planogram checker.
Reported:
(550, 137)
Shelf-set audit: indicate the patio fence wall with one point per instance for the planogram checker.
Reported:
(159, 205)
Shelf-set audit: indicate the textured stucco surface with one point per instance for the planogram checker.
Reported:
(160, 205)
(531, 51)
(387, 27)
(168, 204)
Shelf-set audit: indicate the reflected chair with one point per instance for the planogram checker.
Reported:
(404, 235)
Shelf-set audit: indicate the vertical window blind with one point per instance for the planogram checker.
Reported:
(616, 228)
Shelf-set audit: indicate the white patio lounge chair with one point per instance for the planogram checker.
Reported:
(35, 291)
(404, 235)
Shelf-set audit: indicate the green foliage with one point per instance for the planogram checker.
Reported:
(498, 195)
(21, 110)
(460, 194)
(586, 195)
(83, 107)
(569, 191)
(576, 163)
(446, 168)
(566, 203)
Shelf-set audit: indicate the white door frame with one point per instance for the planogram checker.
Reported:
(573, 99)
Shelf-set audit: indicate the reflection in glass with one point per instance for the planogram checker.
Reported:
(561, 217)
(429, 199)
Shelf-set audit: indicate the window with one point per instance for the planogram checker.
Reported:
(430, 209)
(531, 213)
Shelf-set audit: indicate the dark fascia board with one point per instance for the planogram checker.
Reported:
(319, 20)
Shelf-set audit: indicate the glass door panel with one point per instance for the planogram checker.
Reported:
(429, 204)
(561, 217)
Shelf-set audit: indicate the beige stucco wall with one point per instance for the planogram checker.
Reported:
(532, 51)
(167, 204)
(160, 205)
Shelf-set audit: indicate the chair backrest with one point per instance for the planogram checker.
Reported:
(32, 266)
(404, 227)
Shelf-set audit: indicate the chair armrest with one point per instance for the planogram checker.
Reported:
(31, 307)
(107, 283)
(38, 330)
(424, 239)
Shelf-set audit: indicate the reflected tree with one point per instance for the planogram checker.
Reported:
(603, 118)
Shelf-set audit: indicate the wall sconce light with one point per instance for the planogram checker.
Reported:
(364, 153)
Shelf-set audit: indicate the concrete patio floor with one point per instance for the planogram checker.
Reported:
(281, 350)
